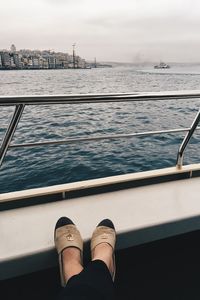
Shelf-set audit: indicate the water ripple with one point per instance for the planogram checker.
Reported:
(44, 166)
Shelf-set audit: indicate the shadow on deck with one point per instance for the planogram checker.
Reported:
(165, 269)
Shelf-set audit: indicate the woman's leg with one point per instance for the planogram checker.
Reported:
(104, 252)
(69, 245)
(92, 283)
(96, 280)
(71, 258)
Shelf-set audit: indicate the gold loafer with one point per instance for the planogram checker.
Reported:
(66, 235)
(104, 233)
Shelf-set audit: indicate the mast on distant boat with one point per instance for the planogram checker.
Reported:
(95, 62)
(74, 62)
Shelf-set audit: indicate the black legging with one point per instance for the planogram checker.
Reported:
(93, 283)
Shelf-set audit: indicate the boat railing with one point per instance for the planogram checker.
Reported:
(21, 101)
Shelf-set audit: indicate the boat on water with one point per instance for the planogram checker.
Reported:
(162, 65)
(156, 213)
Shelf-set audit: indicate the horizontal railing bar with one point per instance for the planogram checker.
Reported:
(96, 98)
(104, 137)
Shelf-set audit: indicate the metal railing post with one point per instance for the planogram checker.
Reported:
(186, 139)
(11, 130)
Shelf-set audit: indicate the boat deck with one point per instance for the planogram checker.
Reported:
(156, 214)
(141, 215)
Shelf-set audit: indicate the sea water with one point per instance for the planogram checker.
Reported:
(56, 164)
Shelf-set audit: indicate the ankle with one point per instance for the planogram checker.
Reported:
(71, 259)
(71, 255)
(104, 252)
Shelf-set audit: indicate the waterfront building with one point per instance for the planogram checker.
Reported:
(72, 62)
(60, 60)
(65, 59)
(37, 59)
(24, 61)
(43, 63)
(6, 59)
(0, 62)
(30, 62)
(66, 64)
(12, 63)
(52, 62)
(35, 62)
(81, 63)
(59, 63)
(16, 60)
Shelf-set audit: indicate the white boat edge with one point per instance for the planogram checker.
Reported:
(94, 183)
(145, 207)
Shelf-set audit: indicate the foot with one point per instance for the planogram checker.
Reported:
(69, 245)
(103, 244)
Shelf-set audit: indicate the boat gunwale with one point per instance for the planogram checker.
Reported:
(95, 186)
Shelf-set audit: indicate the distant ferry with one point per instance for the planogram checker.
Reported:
(162, 65)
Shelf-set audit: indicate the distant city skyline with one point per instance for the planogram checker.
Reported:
(14, 58)
(121, 31)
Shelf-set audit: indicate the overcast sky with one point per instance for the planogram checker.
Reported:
(110, 30)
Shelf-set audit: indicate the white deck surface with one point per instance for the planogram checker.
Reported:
(29, 230)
